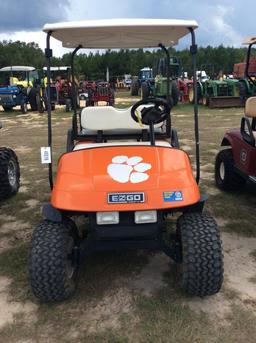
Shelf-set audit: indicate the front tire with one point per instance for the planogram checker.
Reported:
(68, 105)
(144, 90)
(243, 93)
(32, 99)
(9, 173)
(202, 259)
(52, 269)
(225, 176)
(39, 104)
(205, 100)
(134, 88)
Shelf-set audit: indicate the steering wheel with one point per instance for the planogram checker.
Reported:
(151, 114)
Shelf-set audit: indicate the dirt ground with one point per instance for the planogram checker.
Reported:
(126, 296)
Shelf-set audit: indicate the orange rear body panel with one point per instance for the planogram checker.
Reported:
(85, 177)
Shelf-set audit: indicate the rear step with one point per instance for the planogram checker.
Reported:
(226, 101)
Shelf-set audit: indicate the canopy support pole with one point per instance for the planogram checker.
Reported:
(193, 51)
(48, 55)
(168, 73)
(74, 93)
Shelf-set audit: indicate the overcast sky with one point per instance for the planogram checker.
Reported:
(225, 22)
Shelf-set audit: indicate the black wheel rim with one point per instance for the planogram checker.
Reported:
(70, 260)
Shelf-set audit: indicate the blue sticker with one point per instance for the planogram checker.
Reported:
(172, 196)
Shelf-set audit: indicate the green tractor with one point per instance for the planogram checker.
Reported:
(230, 92)
(220, 93)
(165, 82)
(223, 92)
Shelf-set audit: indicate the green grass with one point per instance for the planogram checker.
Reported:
(253, 254)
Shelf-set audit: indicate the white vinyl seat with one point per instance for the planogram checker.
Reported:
(250, 112)
(250, 107)
(108, 118)
(83, 145)
(113, 121)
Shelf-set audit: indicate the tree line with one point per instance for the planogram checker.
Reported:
(119, 62)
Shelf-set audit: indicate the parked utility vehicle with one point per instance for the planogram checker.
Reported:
(165, 82)
(124, 171)
(95, 91)
(61, 93)
(17, 87)
(145, 75)
(9, 172)
(236, 164)
(247, 76)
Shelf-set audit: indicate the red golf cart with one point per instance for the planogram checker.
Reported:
(236, 164)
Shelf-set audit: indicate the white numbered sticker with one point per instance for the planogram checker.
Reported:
(45, 155)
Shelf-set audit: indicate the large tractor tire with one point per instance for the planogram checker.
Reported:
(68, 105)
(52, 262)
(32, 99)
(243, 93)
(225, 176)
(112, 98)
(89, 102)
(191, 96)
(205, 100)
(202, 259)
(134, 88)
(40, 104)
(111, 102)
(9, 173)
(144, 90)
(175, 93)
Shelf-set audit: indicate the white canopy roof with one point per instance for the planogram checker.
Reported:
(17, 68)
(120, 33)
(58, 68)
(250, 40)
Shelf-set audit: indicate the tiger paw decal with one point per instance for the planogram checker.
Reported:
(125, 169)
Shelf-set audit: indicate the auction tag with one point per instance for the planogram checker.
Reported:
(45, 155)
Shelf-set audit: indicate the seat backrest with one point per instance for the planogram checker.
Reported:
(110, 118)
(250, 107)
